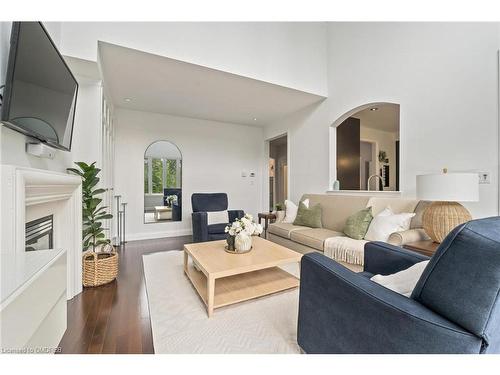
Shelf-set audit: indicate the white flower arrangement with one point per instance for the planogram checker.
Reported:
(244, 226)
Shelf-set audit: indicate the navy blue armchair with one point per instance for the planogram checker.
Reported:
(209, 202)
(177, 205)
(454, 308)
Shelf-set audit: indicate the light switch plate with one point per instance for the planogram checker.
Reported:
(243, 173)
(484, 177)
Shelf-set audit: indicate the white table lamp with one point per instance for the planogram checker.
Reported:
(446, 190)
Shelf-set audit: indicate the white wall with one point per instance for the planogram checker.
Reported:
(86, 144)
(214, 156)
(444, 76)
(291, 54)
(86, 131)
(4, 48)
(12, 144)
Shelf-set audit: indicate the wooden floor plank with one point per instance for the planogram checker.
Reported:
(114, 318)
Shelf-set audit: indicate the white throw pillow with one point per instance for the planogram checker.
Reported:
(386, 212)
(402, 282)
(386, 223)
(217, 217)
(291, 210)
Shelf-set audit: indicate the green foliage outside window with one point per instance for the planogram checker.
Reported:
(171, 174)
(157, 176)
(157, 183)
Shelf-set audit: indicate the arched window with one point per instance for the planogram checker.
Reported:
(162, 183)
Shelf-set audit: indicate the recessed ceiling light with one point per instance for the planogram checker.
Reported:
(255, 118)
(127, 100)
(374, 109)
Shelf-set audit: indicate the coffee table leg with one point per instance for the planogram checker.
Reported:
(185, 261)
(210, 295)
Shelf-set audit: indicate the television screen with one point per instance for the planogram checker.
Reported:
(40, 90)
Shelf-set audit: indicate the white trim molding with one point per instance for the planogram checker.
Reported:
(24, 189)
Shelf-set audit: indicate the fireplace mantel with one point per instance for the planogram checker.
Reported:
(24, 189)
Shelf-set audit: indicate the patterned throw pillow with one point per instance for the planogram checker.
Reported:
(357, 224)
(309, 217)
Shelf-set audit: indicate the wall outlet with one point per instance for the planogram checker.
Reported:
(484, 177)
(243, 173)
(252, 174)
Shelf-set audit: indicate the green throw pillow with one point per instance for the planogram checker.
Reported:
(357, 224)
(309, 217)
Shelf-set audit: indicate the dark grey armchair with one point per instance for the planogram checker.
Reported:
(209, 202)
(455, 307)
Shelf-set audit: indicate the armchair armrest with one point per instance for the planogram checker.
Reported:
(200, 226)
(385, 259)
(407, 236)
(342, 312)
(235, 214)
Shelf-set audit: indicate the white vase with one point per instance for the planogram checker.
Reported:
(243, 243)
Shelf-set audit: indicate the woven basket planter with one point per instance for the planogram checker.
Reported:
(99, 268)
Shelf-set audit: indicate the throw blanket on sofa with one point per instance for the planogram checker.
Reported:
(345, 249)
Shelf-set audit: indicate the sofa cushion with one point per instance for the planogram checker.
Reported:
(402, 282)
(313, 237)
(204, 202)
(283, 229)
(336, 208)
(309, 217)
(357, 224)
(386, 223)
(217, 217)
(397, 205)
(462, 280)
(291, 210)
(217, 228)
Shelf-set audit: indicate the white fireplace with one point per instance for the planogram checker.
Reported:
(36, 284)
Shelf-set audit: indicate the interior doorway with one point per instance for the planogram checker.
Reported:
(278, 172)
(367, 162)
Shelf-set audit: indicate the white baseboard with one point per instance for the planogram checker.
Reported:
(163, 234)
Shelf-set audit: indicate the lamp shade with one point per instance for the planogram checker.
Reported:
(448, 187)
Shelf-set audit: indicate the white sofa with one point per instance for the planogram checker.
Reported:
(335, 211)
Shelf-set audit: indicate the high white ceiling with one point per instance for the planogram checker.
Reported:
(385, 118)
(159, 84)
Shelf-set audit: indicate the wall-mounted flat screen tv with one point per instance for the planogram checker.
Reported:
(40, 90)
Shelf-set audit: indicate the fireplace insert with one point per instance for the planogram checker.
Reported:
(39, 234)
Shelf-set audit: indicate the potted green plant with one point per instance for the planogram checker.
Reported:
(100, 261)
(279, 212)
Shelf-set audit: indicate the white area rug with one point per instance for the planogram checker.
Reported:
(180, 323)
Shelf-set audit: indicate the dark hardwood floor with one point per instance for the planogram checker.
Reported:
(114, 318)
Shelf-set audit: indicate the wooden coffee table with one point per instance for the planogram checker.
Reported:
(226, 278)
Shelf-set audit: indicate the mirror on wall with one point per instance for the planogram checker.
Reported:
(368, 149)
(162, 183)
